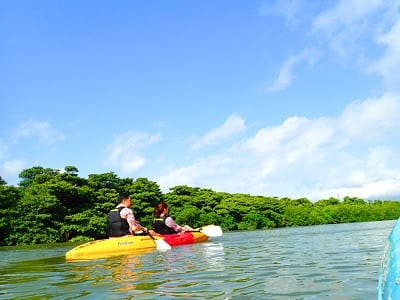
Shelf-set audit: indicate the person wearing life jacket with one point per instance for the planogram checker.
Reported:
(121, 220)
(164, 224)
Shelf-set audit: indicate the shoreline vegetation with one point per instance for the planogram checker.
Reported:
(49, 205)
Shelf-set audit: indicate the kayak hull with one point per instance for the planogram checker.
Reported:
(389, 274)
(130, 245)
(183, 238)
(113, 246)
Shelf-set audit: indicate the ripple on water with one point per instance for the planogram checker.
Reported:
(317, 262)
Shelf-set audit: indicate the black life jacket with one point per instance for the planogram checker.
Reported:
(116, 226)
(160, 227)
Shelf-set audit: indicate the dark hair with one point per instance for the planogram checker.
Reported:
(122, 197)
(159, 209)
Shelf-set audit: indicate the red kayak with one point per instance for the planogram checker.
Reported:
(183, 238)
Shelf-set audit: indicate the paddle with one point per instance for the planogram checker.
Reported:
(160, 243)
(210, 230)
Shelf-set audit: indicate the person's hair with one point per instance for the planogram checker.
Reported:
(159, 209)
(122, 197)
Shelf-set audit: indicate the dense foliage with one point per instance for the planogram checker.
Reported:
(50, 205)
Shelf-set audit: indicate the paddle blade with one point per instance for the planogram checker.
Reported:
(162, 245)
(211, 230)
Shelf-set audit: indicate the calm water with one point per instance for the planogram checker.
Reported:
(318, 262)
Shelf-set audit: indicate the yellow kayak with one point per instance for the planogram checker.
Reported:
(130, 244)
(113, 246)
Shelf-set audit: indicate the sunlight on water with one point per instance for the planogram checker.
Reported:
(319, 262)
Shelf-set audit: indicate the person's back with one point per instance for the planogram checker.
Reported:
(164, 224)
(121, 220)
(116, 226)
(160, 227)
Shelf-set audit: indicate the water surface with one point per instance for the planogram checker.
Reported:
(338, 261)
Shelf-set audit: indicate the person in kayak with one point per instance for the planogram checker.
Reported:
(121, 220)
(163, 223)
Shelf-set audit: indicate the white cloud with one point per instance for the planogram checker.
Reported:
(388, 65)
(303, 157)
(345, 13)
(12, 168)
(3, 150)
(352, 30)
(371, 118)
(382, 190)
(232, 126)
(44, 131)
(223, 172)
(289, 9)
(352, 27)
(37, 131)
(284, 78)
(124, 151)
(285, 75)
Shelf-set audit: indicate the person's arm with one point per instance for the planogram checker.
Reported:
(127, 213)
(171, 224)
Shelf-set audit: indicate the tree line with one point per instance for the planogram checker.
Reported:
(49, 205)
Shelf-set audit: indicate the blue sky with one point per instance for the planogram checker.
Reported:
(276, 98)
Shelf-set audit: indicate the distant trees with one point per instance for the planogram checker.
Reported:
(51, 205)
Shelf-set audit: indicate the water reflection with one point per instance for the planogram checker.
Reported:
(214, 255)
